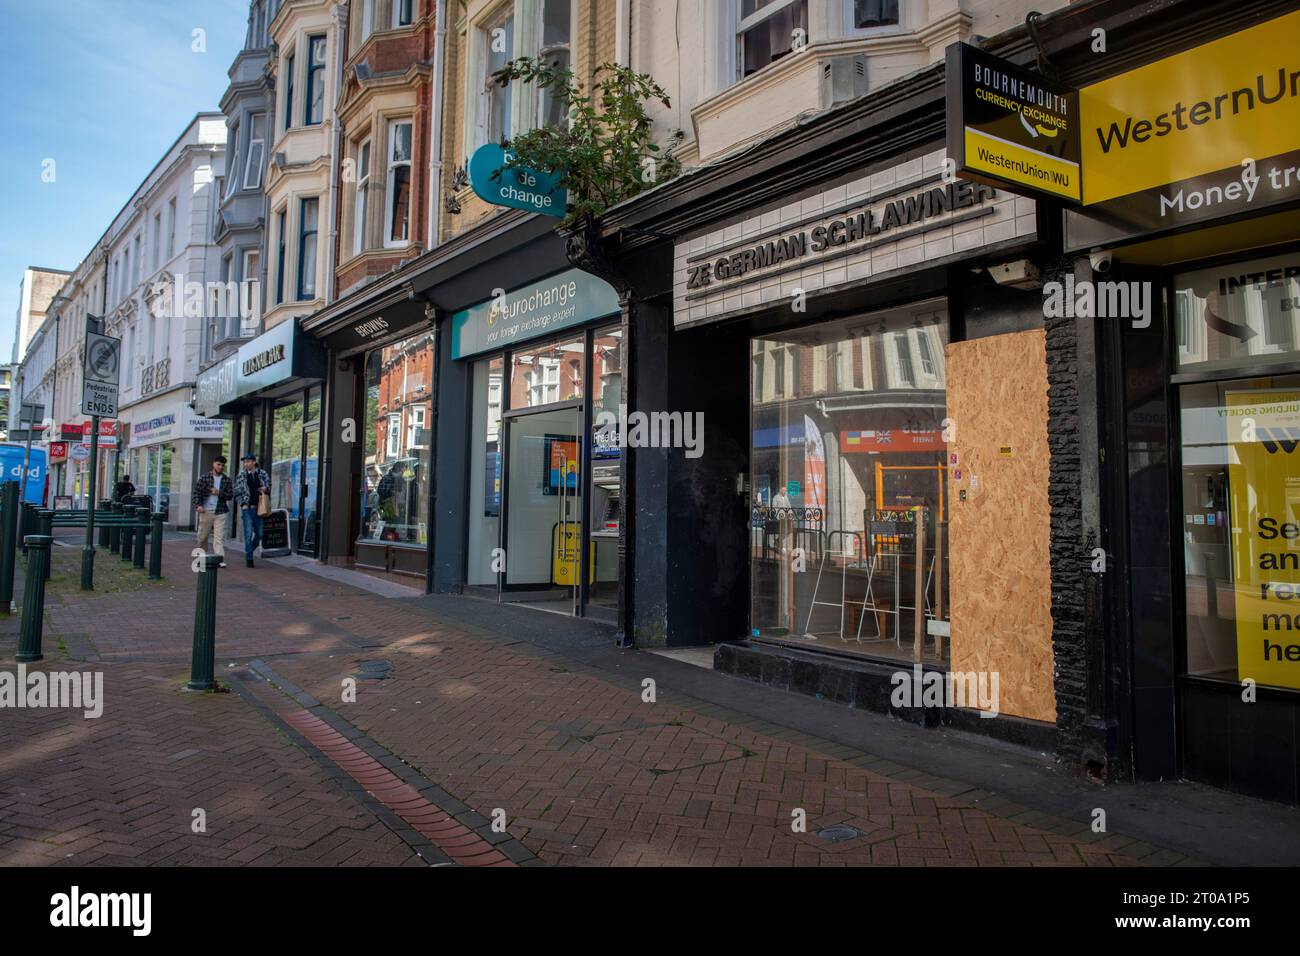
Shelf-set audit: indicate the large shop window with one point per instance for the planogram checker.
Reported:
(485, 470)
(399, 393)
(1241, 529)
(1245, 313)
(547, 372)
(849, 483)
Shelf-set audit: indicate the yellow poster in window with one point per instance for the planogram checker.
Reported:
(1263, 431)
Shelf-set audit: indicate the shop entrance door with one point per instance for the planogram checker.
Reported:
(543, 528)
(307, 504)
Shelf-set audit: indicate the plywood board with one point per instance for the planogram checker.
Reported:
(1000, 567)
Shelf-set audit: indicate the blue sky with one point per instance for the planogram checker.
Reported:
(102, 87)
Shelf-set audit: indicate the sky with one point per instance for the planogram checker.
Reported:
(103, 88)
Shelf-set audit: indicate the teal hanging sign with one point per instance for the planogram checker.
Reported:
(520, 188)
(566, 299)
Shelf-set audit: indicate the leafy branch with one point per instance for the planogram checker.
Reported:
(605, 153)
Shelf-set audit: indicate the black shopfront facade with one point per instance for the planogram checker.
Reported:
(271, 390)
(1127, 658)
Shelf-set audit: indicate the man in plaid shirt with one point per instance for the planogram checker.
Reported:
(212, 494)
(250, 484)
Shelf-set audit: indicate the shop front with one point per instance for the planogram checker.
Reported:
(1206, 414)
(170, 446)
(545, 367)
(381, 392)
(270, 394)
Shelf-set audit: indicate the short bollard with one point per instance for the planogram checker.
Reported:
(128, 532)
(203, 660)
(29, 525)
(115, 532)
(38, 560)
(155, 546)
(141, 530)
(105, 508)
(46, 525)
(8, 543)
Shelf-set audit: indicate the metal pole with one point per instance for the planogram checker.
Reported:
(47, 531)
(29, 640)
(155, 546)
(88, 549)
(115, 532)
(128, 532)
(8, 545)
(203, 657)
(104, 530)
(141, 530)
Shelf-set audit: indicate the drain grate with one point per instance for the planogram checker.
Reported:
(373, 670)
(838, 834)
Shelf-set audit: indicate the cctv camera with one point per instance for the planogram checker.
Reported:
(1100, 259)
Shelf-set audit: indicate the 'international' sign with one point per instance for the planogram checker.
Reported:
(1012, 127)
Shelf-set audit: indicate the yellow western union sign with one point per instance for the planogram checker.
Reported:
(1205, 110)
(1264, 481)
(1006, 160)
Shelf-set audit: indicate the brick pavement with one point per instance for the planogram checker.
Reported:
(467, 725)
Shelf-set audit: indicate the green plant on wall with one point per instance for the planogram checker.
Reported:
(605, 153)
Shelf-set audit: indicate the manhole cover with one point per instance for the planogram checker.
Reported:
(373, 670)
(839, 834)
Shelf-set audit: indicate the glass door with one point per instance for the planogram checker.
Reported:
(544, 520)
(307, 506)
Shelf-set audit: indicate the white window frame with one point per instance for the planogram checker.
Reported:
(396, 6)
(361, 198)
(390, 182)
(477, 76)
(538, 13)
(739, 26)
(414, 422)
(394, 434)
(309, 82)
(232, 177)
(172, 206)
(254, 291)
(367, 19)
(258, 144)
(849, 30)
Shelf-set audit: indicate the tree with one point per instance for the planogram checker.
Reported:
(605, 153)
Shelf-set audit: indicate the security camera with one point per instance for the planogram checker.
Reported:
(1101, 260)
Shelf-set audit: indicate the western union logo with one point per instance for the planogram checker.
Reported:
(1201, 111)
(1011, 161)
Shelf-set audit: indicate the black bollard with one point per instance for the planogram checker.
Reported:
(38, 559)
(128, 532)
(115, 532)
(46, 526)
(203, 660)
(8, 543)
(106, 508)
(155, 546)
(141, 531)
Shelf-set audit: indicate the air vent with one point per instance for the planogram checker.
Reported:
(844, 78)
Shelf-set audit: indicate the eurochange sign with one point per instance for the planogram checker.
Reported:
(1208, 133)
(1010, 127)
(519, 188)
(569, 298)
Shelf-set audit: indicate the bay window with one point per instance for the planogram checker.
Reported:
(256, 151)
(362, 202)
(314, 107)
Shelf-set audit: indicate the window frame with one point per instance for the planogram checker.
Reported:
(314, 74)
(232, 162)
(254, 142)
(287, 112)
(300, 291)
(172, 206)
(361, 194)
(396, 21)
(850, 29)
(390, 181)
(281, 227)
(479, 100)
(741, 25)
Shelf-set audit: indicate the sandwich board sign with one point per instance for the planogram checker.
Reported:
(100, 375)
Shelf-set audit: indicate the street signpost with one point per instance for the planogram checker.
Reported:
(103, 357)
(34, 416)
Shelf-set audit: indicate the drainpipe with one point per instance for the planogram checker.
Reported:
(340, 48)
(436, 87)
(623, 33)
